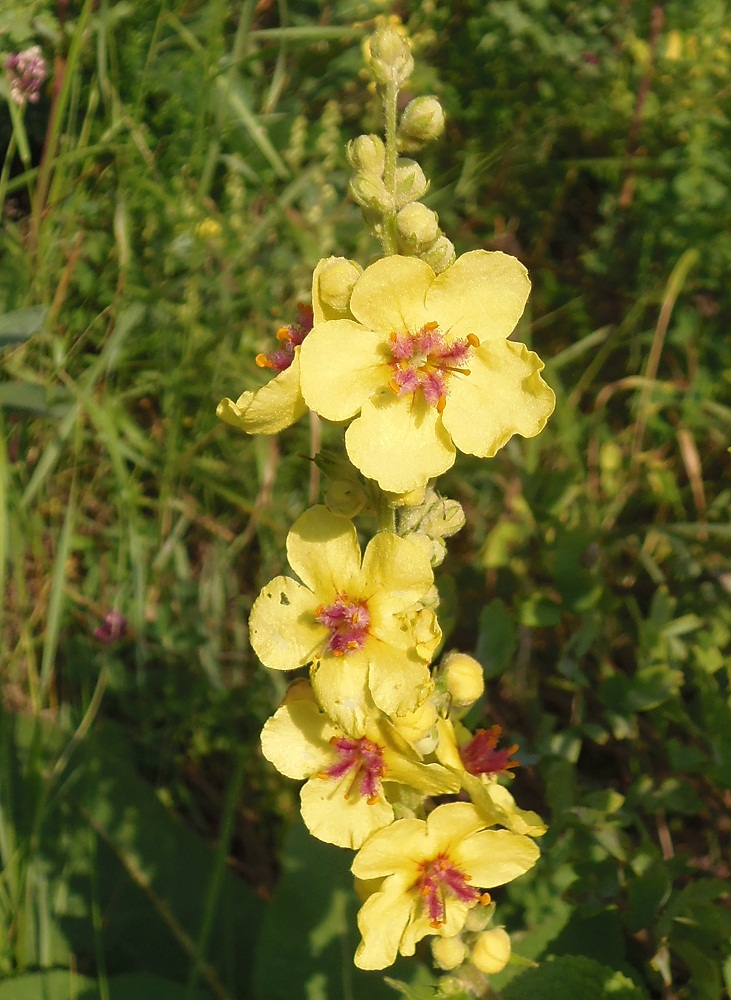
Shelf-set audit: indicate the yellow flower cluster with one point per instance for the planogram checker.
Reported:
(418, 362)
(420, 366)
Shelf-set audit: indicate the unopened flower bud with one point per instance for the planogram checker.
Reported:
(300, 689)
(440, 255)
(335, 283)
(491, 951)
(370, 193)
(464, 679)
(417, 227)
(411, 184)
(389, 56)
(448, 953)
(346, 497)
(367, 155)
(422, 121)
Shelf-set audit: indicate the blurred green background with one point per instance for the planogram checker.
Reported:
(164, 204)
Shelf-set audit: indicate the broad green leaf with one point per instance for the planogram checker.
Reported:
(497, 638)
(17, 326)
(310, 935)
(572, 977)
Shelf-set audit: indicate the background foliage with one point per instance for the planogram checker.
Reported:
(183, 172)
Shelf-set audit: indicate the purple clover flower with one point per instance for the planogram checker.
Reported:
(26, 72)
(113, 627)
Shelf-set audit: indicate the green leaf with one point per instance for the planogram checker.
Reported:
(311, 921)
(497, 638)
(45, 401)
(575, 977)
(17, 326)
(55, 985)
(58, 984)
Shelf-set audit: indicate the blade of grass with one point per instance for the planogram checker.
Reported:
(56, 599)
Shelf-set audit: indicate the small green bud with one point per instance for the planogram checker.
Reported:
(422, 121)
(411, 184)
(417, 227)
(367, 155)
(389, 56)
(440, 255)
(370, 193)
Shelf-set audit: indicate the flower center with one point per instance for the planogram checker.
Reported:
(348, 622)
(479, 756)
(365, 759)
(289, 337)
(439, 879)
(425, 361)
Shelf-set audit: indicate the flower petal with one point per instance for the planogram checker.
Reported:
(484, 293)
(398, 680)
(337, 814)
(341, 365)
(390, 294)
(270, 409)
(449, 824)
(282, 627)
(397, 849)
(503, 395)
(323, 550)
(295, 740)
(382, 920)
(340, 684)
(494, 857)
(399, 441)
(395, 574)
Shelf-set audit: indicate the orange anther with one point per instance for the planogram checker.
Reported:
(485, 899)
(283, 333)
(263, 361)
(433, 325)
(441, 403)
(473, 340)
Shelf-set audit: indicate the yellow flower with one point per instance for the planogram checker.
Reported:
(425, 367)
(345, 798)
(433, 872)
(279, 403)
(477, 762)
(361, 624)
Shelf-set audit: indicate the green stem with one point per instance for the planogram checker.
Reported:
(385, 514)
(390, 97)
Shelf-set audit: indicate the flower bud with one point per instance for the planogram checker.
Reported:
(346, 497)
(422, 121)
(389, 56)
(440, 255)
(417, 226)
(367, 155)
(335, 283)
(491, 951)
(370, 193)
(411, 184)
(464, 679)
(299, 689)
(448, 953)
